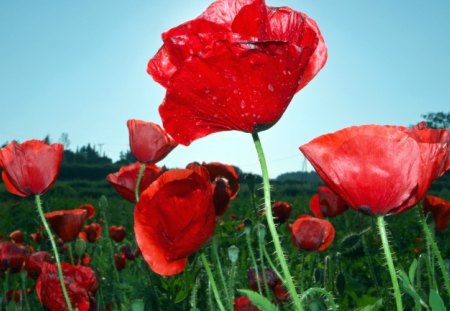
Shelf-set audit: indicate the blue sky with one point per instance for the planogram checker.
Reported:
(79, 67)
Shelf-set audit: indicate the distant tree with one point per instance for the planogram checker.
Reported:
(437, 119)
(64, 139)
(47, 139)
(126, 157)
(85, 155)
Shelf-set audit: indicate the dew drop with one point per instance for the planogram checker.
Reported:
(243, 104)
(270, 87)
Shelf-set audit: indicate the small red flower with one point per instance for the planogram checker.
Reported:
(80, 282)
(17, 236)
(439, 208)
(36, 236)
(173, 218)
(90, 210)
(124, 181)
(225, 184)
(120, 261)
(91, 233)
(281, 293)
(117, 233)
(149, 143)
(86, 260)
(281, 211)
(326, 203)
(31, 167)
(271, 278)
(235, 67)
(127, 252)
(33, 263)
(12, 256)
(66, 224)
(379, 169)
(312, 234)
(244, 304)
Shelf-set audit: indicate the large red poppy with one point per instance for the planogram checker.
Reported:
(124, 181)
(66, 223)
(439, 208)
(326, 203)
(173, 218)
(225, 184)
(378, 169)
(149, 143)
(235, 67)
(30, 167)
(312, 234)
(81, 284)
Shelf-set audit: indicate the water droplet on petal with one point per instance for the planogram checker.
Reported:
(270, 87)
(243, 104)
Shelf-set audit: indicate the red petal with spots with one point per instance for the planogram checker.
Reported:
(173, 218)
(31, 167)
(440, 209)
(124, 181)
(312, 234)
(373, 168)
(149, 143)
(66, 224)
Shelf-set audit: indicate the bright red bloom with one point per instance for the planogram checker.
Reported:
(281, 211)
(81, 284)
(173, 218)
(124, 181)
(326, 203)
(244, 304)
(149, 143)
(439, 208)
(120, 261)
(312, 234)
(90, 210)
(66, 223)
(235, 67)
(33, 263)
(17, 236)
(12, 256)
(31, 167)
(377, 169)
(225, 184)
(117, 233)
(91, 233)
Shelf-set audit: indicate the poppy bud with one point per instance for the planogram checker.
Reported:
(117, 233)
(312, 234)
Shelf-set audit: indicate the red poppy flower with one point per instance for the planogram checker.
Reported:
(377, 169)
(91, 233)
(12, 256)
(225, 184)
(66, 223)
(127, 252)
(120, 261)
(30, 167)
(312, 234)
(173, 218)
(117, 233)
(17, 236)
(235, 67)
(281, 211)
(244, 304)
(439, 208)
(149, 143)
(326, 203)
(36, 236)
(124, 181)
(80, 282)
(90, 210)
(271, 278)
(86, 260)
(34, 261)
(281, 293)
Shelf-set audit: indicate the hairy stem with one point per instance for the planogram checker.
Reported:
(138, 182)
(212, 282)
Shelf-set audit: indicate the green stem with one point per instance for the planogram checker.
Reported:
(70, 253)
(255, 265)
(55, 251)
(436, 251)
(212, 282)
(219, 266)
(387, 252)
(261, 259)
(270, 223)
(138, 181)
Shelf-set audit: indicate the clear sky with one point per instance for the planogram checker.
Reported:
(79, 67)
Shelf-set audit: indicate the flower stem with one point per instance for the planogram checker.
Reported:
(255, 265)
(55, 251)
(436, 251)
(138, 182)
(219, 266)
(270, 223)
(212, 282)
(387, 252)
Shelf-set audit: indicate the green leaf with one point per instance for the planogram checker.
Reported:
(181, 295)
(374, 307)
(412, 271)
(260, 301)
(137, 305)
(409, 289)
(436, 302)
